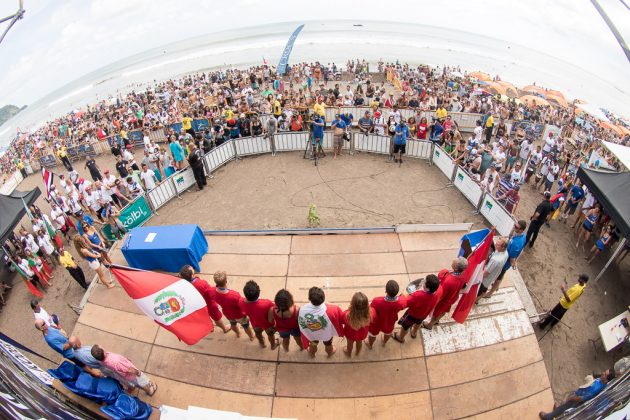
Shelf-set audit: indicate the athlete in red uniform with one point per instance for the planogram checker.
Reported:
(420, 304)
(452, 284)
(284, 315)
(386, 308)
(258, 312)
(230, 301)
(208, 292)
(356, 320)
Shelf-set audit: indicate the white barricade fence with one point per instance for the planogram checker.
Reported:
(163, 193)
(246, 146)
(372, 143)
(219, 156)
(158, 135)
(467, 186)
(328, 141)
(290, 141)
(443, 161)
(508, 126)
(264, 118)
(496, 215)
(330, 114)
(183, 180)
(420, 149)
(465, 121)
(11, 183)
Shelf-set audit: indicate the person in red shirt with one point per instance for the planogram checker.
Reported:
(419, 305)
(386, 309)
(230, 302)
(452, 283)
(258, 310)
(208, 292)
(356, 320)
(284, 315)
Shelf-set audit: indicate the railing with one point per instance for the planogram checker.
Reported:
(372, 143)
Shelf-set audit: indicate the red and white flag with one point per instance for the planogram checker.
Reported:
(474, 276)
(173, 303)
(49, 180)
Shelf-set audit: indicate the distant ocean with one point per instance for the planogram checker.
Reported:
(326, 42)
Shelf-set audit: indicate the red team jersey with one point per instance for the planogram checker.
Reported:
(230, 304)
(209, 295)
(386, 314)
(451, 284)
(421, 303)
(351, 333)
(286, 324)
(257, 312)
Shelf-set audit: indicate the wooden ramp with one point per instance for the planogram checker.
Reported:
(489, 367)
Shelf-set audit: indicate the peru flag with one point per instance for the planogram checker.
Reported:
(173, 303)
(474, 276)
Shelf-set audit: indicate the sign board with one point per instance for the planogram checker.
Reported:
(184, 180)
(467, 186)
(135, 213)
(443, 161)
(497, 215)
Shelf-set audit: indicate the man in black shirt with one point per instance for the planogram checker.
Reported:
(195, 159)
(95, 171)
(121, 167)
(541, 214)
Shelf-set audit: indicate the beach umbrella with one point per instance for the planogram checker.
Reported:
(611, 127)
(479, 75)
(560, 100)
(502, 98)
(510, 89)
(623, 129)
(533, 100)
(556, 93)
(495, 88)
(533, 89)
(457, 74)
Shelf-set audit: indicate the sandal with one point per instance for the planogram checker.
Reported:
(397, 338)
(153, 388)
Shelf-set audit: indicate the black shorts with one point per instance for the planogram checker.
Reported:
(326, 343)
(399, 148)
(407, 321)
(482, 289)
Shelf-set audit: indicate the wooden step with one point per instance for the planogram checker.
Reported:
(245, 264)
(430, 241)
(125, 324)
(346, 265)
(242, 244)
(527, 408)
(345, 244)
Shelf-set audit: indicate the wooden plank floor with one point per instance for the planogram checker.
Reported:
(489, 367)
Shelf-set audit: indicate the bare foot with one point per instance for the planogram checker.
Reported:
(227, 330)
(368, 344)
(275, 344)
(262, 344)
(345, 351)
(333, 351)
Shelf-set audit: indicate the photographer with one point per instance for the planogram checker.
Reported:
(400, 141)
(317, 132)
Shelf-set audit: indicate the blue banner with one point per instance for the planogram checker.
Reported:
(177, 127)
(200, 125)
(136, 137)
(284, 59)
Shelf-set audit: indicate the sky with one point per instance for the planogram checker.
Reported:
(60, 41)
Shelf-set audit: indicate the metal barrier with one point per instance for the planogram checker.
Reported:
(421, 149)
(327, 143)
(162, 193)
(468, 186)
(101, 146)
(290, 141)
(219, 156)
(11, 183)
(158, 135)
(246, 146)
(444, 161)
(82, 150)
(496, 215)
(372, 143)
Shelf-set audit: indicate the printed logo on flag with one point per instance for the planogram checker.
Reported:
(169, 306)
(313, 322)
(488, 205)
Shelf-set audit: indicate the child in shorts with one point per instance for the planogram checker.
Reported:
(284, 315)
(230, 300)
(356, 320)
(387, 308)
(419, 305)
(258, 312)
(208, 293)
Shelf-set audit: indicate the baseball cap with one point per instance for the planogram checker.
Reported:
(547, 194)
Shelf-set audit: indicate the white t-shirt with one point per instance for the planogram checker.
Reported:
(525, 149)
(44, 316)
(478, 130)
(549, 143)
(57, 217)
(149, 179)
(92, 200)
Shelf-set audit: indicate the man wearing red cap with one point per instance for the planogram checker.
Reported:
(379, 123)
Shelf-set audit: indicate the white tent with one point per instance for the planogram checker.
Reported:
(594, 111)
(622, 153)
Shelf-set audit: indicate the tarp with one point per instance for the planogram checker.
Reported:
(12, 209)
(622, 153)
(594, 111)
(612, 190)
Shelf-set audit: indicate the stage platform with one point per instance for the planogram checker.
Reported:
(490, 367)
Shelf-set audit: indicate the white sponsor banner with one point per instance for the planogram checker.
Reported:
(497, 215)
(26, 364)
(183, 180)
(443, 161)
(471, 190)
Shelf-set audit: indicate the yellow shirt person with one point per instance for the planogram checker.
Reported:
(568, 299)
(187, 123)
(441, 113)
(320, 108)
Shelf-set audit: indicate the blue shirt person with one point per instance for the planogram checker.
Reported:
(317, 125)
(347, 118)
(55, 340)
(401, 134)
